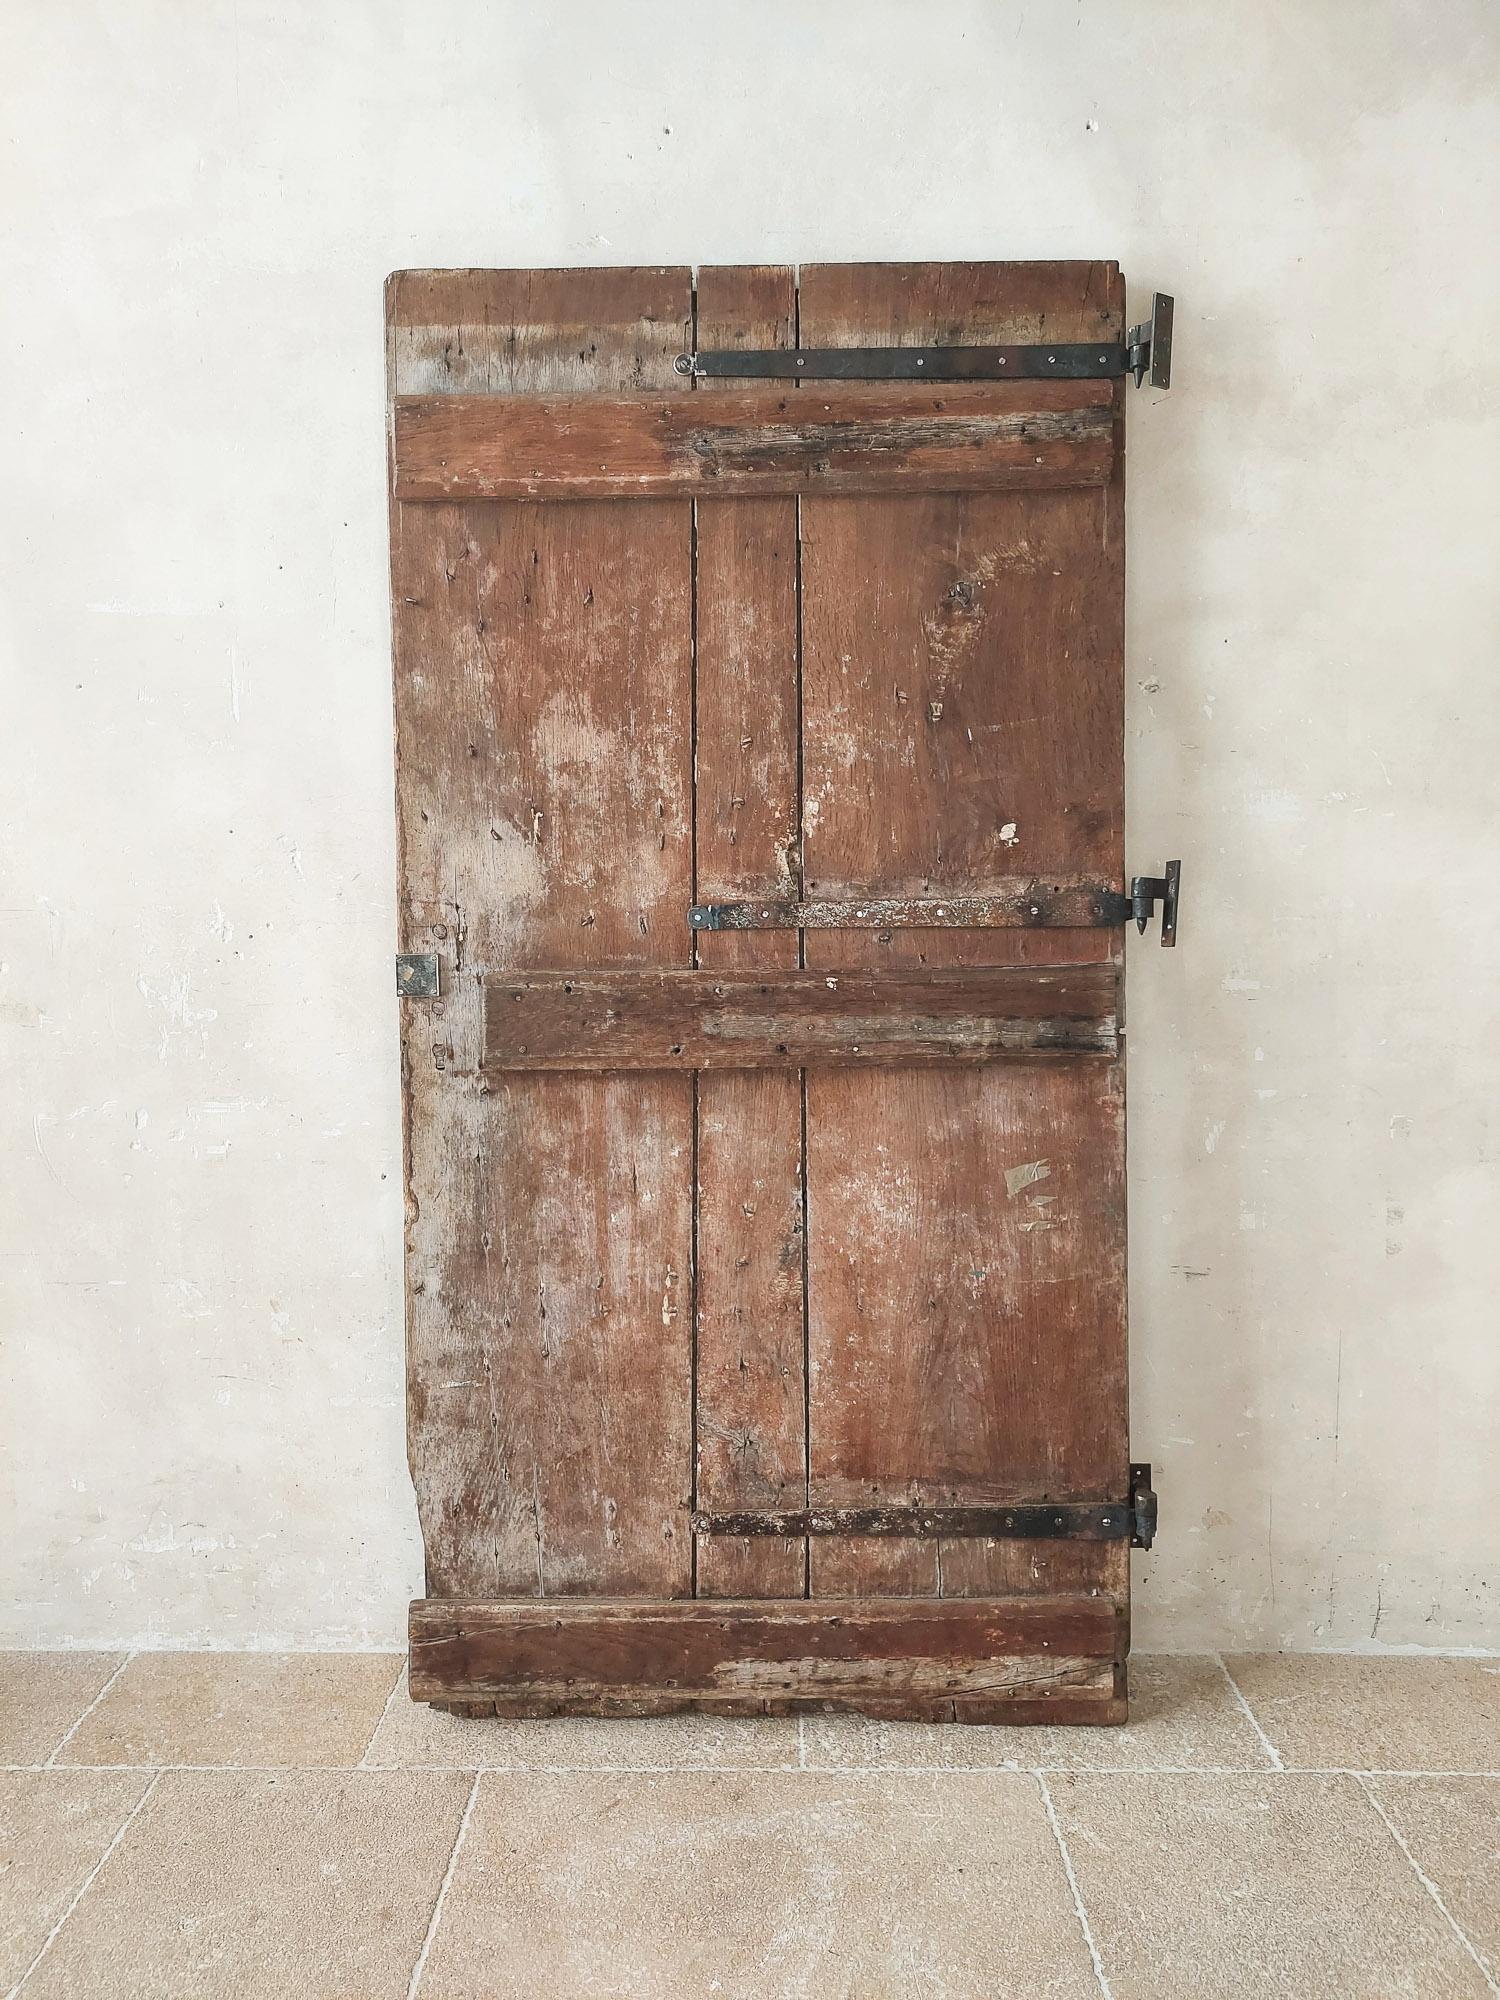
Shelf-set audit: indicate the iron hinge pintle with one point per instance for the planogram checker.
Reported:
(417, 975)
(1148, 347)
(1142, 1508)
(1146, 891)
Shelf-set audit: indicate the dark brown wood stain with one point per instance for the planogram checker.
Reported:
(759, 1221)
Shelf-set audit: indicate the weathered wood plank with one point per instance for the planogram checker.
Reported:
(543, 703)
(971, 438)
(750, 1651)
(751, 1433)
(1089, 1707)
(791, 1020)
(967, 1286)
(962, 726)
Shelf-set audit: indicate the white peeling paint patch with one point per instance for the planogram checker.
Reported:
(1010, 833)
(1275, 807)
(1213, 1133)
(1017, 1178)
(1236, 982)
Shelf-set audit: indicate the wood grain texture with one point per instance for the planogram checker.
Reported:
(735, 442)
(546, 1657)
(790, 1020)
(751, 1431)
(962, 723)
(543, 714)
(608, 713)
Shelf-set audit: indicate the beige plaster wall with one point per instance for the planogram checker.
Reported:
(201, 1221)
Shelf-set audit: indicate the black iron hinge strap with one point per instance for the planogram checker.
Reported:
(1132, 1520)
(1024, 904)
(1146, 349)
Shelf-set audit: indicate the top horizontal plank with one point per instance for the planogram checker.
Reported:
(967, 438)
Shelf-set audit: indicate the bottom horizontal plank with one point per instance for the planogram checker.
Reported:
(1022, 1659)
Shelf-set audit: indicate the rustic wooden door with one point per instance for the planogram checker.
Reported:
(760, 758)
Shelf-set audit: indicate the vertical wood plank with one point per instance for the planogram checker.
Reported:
(543, 715)
(750, 1380)
(963, 705)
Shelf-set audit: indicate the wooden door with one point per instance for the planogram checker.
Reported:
(760, 760)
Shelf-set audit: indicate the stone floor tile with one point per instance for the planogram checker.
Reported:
(1364, 1712)
(314, 1883)
(759, 1886)
(1183, 1713)
(42, 1695)
(238, 1709)
(54, 1828)
(1211, 1887)
(412, 1733)
(1452, 1828)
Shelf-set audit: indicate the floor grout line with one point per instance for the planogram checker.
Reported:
(86, 1884)
(442, 1895)
(1250, 1716)
(1428, 1884)
(364, 1762)
(1078, 1909)
(1013, 1770)
(68, 1738)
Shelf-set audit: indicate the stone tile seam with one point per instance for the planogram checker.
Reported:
(468, 1769)
(1249, 1713)
(1427, 1883)
(83, 1718)
(436, 1918)
(86, 1884)
(1079, 1910)
(396, 1686)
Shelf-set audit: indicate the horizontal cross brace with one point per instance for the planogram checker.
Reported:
(660, 1018)
(557, 1655)
(752, 440)
(1132, 1520)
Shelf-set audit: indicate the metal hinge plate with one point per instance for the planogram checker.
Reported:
(1142, 1508)
(417, 975)
(1147, 348)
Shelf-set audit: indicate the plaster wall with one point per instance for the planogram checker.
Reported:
(201, 1382)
